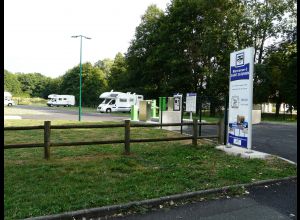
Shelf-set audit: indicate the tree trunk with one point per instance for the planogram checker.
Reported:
(212, 110)
(277, 109)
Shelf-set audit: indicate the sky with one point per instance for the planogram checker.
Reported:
(37, 33)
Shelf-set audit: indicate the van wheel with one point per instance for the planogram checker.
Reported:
(66, 105)
(108, 110)
(9, 104)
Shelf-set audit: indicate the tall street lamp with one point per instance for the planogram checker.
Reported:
(80, 78)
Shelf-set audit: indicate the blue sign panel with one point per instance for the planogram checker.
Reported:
(240, 72)
(237, 140)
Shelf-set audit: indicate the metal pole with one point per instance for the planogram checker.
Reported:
(80, 80)
(225, 120)
(80, 76)
(181, 108)
(200, 114)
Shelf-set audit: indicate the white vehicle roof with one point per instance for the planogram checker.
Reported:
(112, 94)
(7, 94)
(55, 95)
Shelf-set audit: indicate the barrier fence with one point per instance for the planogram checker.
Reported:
(47, 127)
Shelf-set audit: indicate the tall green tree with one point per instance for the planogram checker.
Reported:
(105, 65)
(118, 79)
(144, 58)
(268, 20)
(93, 84)
(33, 83)
(53, 86)
(277, 76)
(11, 83)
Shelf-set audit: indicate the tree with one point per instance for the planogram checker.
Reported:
(93, 83)
(11, 83)
(118, 79)
(275, 78)
(33, 83)
(53, 86)
(146, 74)
(268, 20)
(105, 65)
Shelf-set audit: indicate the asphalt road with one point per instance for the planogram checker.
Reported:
(268, 202)
(61, 113)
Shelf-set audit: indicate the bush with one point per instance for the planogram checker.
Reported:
(29, 101)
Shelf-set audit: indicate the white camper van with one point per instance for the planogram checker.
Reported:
(61, 100)
(8, 99)
(118, 101)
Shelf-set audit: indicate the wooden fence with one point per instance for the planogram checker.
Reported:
(127, 140)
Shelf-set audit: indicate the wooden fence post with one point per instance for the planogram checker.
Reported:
(47, 132)
(127, 137)
(195, 131)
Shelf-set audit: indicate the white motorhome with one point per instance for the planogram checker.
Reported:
(118, 101)
(61, 100)
(8, 99)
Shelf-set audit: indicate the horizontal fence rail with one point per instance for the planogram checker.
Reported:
(126, 141)
(23, 128)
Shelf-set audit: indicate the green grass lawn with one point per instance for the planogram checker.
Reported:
(270, 117)
(93, 176)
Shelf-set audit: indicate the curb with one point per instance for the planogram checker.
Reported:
(289, 161)
(113, 209)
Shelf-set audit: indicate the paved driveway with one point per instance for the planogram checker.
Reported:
(274, 138)
(60, 113)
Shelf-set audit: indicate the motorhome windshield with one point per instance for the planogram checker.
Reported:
(106, 101)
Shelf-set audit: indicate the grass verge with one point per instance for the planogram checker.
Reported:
(93, 176)
(270, 117)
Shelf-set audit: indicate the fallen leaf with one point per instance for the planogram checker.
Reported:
(246, 192)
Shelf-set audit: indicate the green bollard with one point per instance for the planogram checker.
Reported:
(164, 103)
(134, 113)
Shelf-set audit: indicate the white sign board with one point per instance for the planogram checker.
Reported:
(191, 102)
(240, 98)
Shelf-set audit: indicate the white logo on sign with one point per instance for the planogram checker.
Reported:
(235, 102)
(239, 59)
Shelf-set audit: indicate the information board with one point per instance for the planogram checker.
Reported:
(240, 98)
(191, 102)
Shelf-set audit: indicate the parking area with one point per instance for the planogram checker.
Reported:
(274, 138)
(48, 113)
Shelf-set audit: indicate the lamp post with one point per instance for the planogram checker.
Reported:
(80, 76)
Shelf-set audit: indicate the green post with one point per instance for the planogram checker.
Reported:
(164, 103)
(160, 110)
(80, 79)
(80, 76)
(159, 103)
(134, 113)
